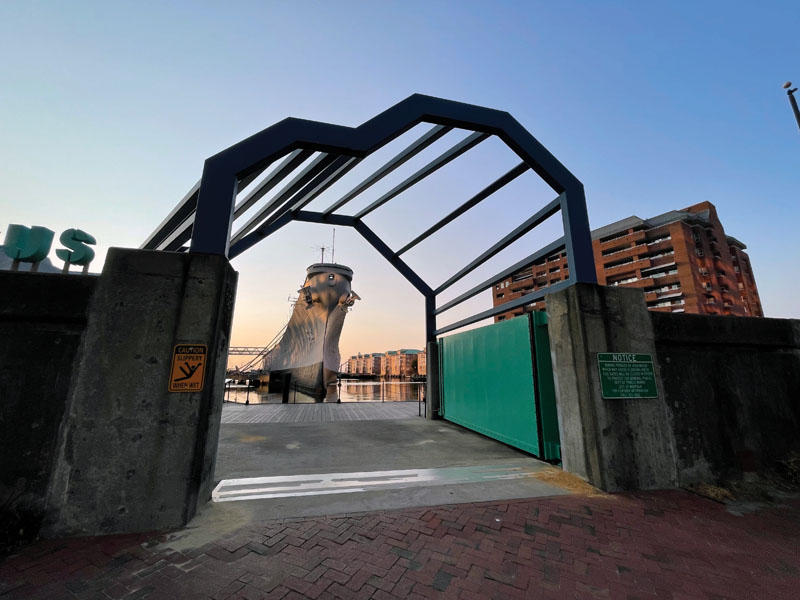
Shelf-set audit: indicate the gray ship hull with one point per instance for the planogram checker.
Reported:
(307, 358)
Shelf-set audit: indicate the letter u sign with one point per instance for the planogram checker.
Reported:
(32, 245)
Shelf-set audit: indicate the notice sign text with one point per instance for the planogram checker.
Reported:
(625, 375)
(188, 368)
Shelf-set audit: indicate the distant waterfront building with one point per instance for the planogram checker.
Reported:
(682, 259)
(373, 363)
(394, 363)
(403, 363)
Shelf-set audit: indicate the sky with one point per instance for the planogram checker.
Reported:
(109, 109)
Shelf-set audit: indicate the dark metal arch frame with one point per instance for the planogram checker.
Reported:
(205, 216)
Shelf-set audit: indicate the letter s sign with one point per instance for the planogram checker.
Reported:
(79, 253)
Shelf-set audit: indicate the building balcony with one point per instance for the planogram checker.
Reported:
(623, 237)
(647, 271)
(620, 252)
(668, 295)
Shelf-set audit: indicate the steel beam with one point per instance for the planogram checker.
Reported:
(545, 251)
(259, 234)
(430, 319)
(329, 175)
(212, 228)
(406, 271)
(289, 164)
(318, 217)
(463, 146)
(179, 236)
(474, 201)
(577, 236)
(178, 215)
(432, 135)
(338, 169)
(522, 301)
(548, 211)
(183, 233)
(314, 168)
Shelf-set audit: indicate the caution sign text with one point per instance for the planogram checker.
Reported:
(188, 368)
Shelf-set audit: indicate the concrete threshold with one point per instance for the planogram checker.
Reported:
(319, 484)
(281, 470)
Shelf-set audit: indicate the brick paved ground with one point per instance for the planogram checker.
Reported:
(646, 545)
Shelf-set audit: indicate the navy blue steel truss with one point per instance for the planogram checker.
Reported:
(204, 217)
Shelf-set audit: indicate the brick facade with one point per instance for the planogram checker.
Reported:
(395, 363)
(683, 260)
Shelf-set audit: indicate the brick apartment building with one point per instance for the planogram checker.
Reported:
(682, 259)
(395, 363)
(402, 363)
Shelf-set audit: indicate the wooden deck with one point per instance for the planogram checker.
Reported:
(318, 413)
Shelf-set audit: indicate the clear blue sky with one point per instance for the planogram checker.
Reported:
(108, 110)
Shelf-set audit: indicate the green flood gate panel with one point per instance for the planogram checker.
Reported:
(487, 384)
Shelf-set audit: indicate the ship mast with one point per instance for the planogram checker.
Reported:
(322, 250)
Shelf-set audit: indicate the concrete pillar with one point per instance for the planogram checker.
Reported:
(131, 455)
(615, 444)
(432, 382)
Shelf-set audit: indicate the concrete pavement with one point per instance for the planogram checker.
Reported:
(416, 460)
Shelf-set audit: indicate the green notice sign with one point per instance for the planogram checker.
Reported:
(625, 375)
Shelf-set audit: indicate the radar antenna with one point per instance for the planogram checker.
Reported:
(322, 250)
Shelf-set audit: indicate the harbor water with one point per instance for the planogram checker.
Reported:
(351, 390)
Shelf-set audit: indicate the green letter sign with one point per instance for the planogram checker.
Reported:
(79, 253)
(32, 245)
(27, 244)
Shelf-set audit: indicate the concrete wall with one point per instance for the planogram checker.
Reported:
(42, 319)
(91, 440)
(131, 455)
(614, 444)
(728, 391)
(732, 385)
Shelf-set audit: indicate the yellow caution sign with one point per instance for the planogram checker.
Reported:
(188, 368)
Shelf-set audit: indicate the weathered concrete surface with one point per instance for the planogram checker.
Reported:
(266, 449)
(42, 318)
(732, 385)
(276, 449)
(615, 444)
(131, 455)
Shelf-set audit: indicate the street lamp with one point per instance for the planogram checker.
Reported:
(790, 92)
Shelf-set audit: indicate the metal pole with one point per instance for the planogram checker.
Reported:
(792, 100)
(430, 318)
